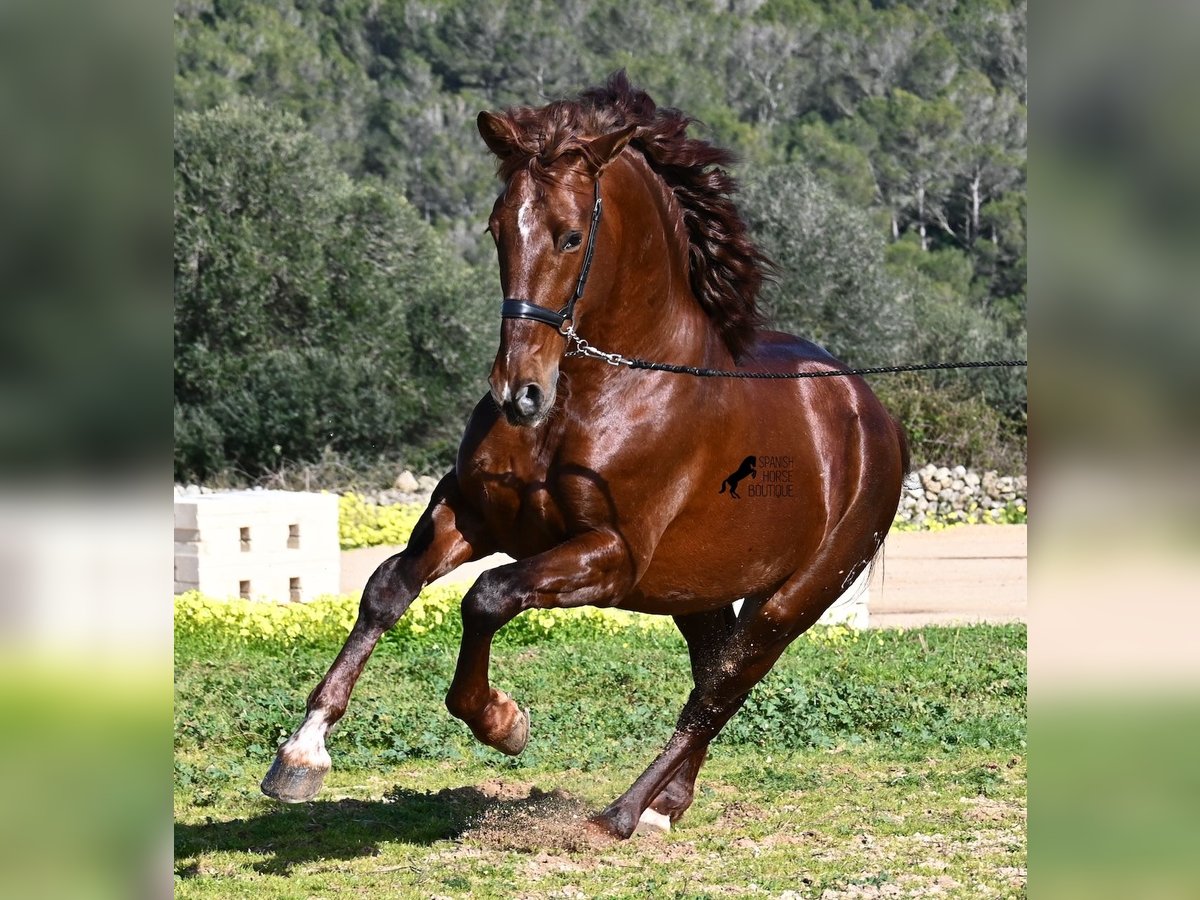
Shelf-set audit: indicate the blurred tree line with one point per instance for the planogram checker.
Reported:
(333, 290)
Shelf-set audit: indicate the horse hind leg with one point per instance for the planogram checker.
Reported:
(437, 546)
(762, 632)
(705, 633)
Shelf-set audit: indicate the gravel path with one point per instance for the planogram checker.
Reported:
(967, 574)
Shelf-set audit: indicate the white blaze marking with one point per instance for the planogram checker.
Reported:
(525, 221)
(307, 746)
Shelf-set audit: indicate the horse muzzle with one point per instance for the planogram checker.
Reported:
(528, 406)
(524, 402)
(524, 378)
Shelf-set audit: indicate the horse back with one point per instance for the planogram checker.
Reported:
(778, 351)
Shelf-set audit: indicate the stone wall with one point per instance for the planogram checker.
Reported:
(958, 492)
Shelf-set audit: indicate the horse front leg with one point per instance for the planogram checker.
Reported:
(594, 569)
(442, 540)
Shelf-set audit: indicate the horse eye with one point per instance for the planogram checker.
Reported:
(571, 241)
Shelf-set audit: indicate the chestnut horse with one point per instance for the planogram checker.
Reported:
(602, 482)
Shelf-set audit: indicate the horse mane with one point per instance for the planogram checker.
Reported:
(725, 266)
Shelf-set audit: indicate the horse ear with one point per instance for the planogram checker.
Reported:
(607, 147)
(497, 132)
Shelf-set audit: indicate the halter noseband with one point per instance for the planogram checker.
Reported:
(562, 321)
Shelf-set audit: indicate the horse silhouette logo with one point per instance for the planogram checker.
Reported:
(749, 467)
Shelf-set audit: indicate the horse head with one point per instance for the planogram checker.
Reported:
(543, 226)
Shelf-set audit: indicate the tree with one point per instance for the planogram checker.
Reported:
(768, 73)
(282, 53)
(843, 164)
(989, 151)
(311, 312)
(832, 285)
(911, 162)
(990, 37)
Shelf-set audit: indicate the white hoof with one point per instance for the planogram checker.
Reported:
(653, 822)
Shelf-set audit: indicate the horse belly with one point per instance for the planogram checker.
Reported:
(739, 548)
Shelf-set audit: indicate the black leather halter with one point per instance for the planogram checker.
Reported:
(563, 320)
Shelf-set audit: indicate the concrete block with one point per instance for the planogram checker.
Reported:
(277, 545)
(187, 568)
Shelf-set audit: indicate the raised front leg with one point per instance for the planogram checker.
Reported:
(442, 540)
(594, 569)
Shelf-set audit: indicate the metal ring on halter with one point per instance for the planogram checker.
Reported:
(567, 328)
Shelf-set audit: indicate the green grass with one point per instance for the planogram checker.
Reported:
(886, 764)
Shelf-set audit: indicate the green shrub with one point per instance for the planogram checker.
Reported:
(832, 285)
(365, 524)
(325, 622)
(950, 424)
(312, 312)
(1012, 513)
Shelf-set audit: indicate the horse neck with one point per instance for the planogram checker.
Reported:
(650, 310)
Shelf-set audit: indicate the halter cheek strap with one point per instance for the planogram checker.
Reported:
(519, 308)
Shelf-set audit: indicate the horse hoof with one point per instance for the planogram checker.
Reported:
(518, 736)
(653, 822)
(604, 825)
(292, 784)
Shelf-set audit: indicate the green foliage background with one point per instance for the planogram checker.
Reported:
(598, 691)
(333, 292)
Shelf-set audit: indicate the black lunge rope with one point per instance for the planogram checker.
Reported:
(872, 370)
(583, 348)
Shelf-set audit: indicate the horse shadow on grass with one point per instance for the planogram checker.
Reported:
(287, 836)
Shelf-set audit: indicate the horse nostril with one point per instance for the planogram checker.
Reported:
(528, 400)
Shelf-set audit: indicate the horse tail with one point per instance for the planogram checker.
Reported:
(905, 451)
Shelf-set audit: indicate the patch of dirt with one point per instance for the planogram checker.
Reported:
(567, 892)
(738, 813)
(542, 864)
(863, 892)
(982, 841)
(1016, 876)
(537, 821)
(769, 842)
(506, 790)
(926, 886)
(655, 844)
(904, 886)
(984, 809)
